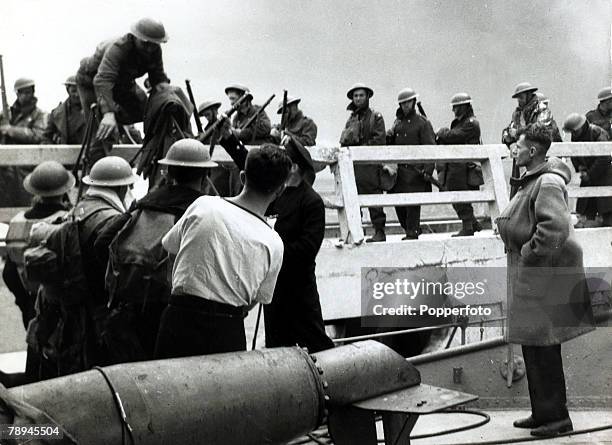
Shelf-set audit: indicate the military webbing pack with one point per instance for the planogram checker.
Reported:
(18, 239)
(62, 323)
(138, 266)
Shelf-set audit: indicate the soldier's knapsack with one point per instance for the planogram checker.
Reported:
(62, 327)
(138, 268)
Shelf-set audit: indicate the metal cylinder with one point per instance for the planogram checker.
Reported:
(258, 397)
(363, 370)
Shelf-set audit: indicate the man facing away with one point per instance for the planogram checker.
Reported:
(227, 260)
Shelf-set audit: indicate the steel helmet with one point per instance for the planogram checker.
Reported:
(208, 104)
(188, 153)
(111, 171)
(461, 99)
(290, 100)
(149, 30)
(604, 94)
(523, 87)
(406, 94)
(23, 82)
(574, 122)
(542, 98)
(70, 81)
(237, 87)
(49, 178)
(359, 86)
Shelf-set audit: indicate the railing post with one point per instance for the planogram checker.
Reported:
(349, 216)
(493, 175)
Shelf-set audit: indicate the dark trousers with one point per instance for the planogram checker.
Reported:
(546, 382)
(465, 211)
(131, 103)
(294, 318)
(191, 325)
(409, 181)
(368, 182)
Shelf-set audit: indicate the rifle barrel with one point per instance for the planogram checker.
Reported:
(195, 107)
(256, 115)
(5, 108)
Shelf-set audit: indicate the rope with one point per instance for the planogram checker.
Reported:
(119, 405)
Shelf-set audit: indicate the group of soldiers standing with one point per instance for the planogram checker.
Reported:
(99, 282)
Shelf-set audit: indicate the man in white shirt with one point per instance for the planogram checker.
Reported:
(227, 260)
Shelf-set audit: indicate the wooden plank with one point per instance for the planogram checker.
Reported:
(589, 192)
(346, 189)
(493, 174)
(406, 154)
(425, 198)
(7, 213)
(342, 217)
(566, 149)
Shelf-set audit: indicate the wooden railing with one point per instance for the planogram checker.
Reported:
(494, 192)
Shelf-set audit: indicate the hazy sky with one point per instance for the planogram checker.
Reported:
(316, 49)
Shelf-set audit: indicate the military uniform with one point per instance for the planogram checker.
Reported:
(411, 129)
(531, 113)
(366, 127)
(599, 170)
(16, 243)
(454, 175)
(66, 124)
(108, 78)
(29, 124)
(601, 119)
(301, 128)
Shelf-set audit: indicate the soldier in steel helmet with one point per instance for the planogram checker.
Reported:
(366, 127)
(593, 171)
(26, 126)
(137, 279)
(300, 127)
(108, 78)
(528, 112)
(49, 183)
(464, 129)
(411, 128)
(220, 176)
(66, 123)
(602, 115)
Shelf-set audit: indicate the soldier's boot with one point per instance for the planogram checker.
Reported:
(468, 228)
(411, 234)
(379, 236)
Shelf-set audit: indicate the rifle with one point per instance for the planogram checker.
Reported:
(285, 115)
(6, 111)
(256, 115)
(421, 110)
(429, 178)
(203, 136)
(195, 108)
(89, 127)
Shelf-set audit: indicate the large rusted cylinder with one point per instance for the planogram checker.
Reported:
(363, 370)
(259, 397)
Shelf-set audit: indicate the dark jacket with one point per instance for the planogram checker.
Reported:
(29, 124)
(65, 125)
(363, 127)
(294, 315)
(603, 120)
(167, 198)
(549, 302)
(114, 67)
(532, 112)
(301, 128)
(598, 168)
(463, 131)
(258, 132)
(412, 129)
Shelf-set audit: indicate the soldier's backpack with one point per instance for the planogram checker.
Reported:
(63, 325)
(138, 266)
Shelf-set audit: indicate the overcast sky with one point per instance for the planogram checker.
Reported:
(316, 49)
